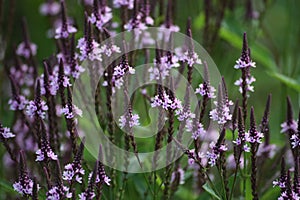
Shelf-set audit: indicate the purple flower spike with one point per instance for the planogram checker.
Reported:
(5, 132)
(221, 114)
(254, 135)
(26, 50)
(124, 3)
(45, 152)
(100, 16)
(58, 193)
(37, 107)
(216, 149)
(133, 121)
(24, 184)
(75, 169)
(65, 29)
(50, 8)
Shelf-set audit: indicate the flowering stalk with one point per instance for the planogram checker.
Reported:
(254, 146)
(239, 148)
(5, 134)
(53, 129)
(28, 49)
(74, 171)
(290, 126)
(245, 63)
(24, 185)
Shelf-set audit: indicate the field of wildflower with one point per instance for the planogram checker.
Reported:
(149, 99)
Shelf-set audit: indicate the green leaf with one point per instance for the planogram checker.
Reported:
(290, 82)
(208, 189)
(7, 187)
(271, 193)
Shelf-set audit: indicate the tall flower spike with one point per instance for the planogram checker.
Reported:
(75, 68)
(190, 56)
(205, 89)
(74, 169)
(50, 8)
(89, 192)
(281, 182)
(100, 16)
(216, 149)
(235, 116)
(65, 29)
(295, 138)
(24, 185)
(101, 175)
(59, 191)
(264, 125)
(45, 153)
(290, 125)
(17, 102)
(26, 48)
(221, 114)
(254, 135)
(37, 107)
(242, 137)
(88, 47)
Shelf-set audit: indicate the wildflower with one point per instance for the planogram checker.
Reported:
(51, 84)
(245, 63)
(178, 175)
(165, 102)
(191, 58)
(89, 51)
(242, 63)
(88, 2)
(45, 152)
(65, 29)
(221, 114)
(75, 169)
(249, 81)
(216, 149)
(206, 90)
(24, 188)
(120, 71)
(214, 154)
(196, 128)
(17, 103)
(50, 8)
(290, 125)
(71, 113)
(26, 49)
(285, 126)
(5, 132)
(24, 184)
(140, 21)
(23, 73)
(295, 141)
(59, 193)
(100, 16)
(37, 108)
(86, 196)
(124, 3)
(184, 114)
(101, 175)
(133, 121)
(110, 49)
(162, 67)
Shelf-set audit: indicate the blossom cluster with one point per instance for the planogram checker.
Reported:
(214, 153)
